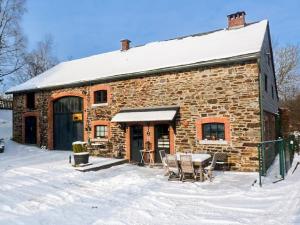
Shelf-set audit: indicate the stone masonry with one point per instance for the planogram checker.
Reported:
(229, 91)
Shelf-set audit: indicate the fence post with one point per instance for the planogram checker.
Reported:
(259, 163)
(291, 150)
(263, 154)
(281, 158)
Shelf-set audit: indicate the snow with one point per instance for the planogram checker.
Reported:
(39, 187)
(5, 124)
(163, 115)
(78, 143)
(156, 55)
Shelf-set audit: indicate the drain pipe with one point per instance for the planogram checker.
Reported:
(260, 85)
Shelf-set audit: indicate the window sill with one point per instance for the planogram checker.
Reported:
(99, 105)
(99, 139)
(211, 142)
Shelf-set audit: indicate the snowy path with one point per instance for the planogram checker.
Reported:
(39, 187)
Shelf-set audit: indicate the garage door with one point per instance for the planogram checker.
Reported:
(68, 122)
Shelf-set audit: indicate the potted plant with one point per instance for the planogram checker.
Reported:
(1, 145)
(81, 155)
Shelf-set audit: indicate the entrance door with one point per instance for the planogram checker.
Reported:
(162, 140)
(30, 130)
(68, 122)
(136, 142)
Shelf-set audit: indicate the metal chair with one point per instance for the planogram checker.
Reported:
(172, 166)
(187, 167)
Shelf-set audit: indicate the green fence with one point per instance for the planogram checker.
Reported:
(268, 150)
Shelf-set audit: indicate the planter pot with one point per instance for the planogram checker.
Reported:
(1, 148)
(81, 158)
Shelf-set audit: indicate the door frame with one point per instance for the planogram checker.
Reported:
(69, 114)
(151, 125)
(37, 115)
(156, 153)
(52, 99)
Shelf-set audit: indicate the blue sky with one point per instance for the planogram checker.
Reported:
(86, 27)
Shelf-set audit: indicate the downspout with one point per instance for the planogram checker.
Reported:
(88, 112)
(261, 110)
(260, 147)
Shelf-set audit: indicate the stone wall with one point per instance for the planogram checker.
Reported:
(230, 91)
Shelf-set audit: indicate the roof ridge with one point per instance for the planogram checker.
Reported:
(194, 35)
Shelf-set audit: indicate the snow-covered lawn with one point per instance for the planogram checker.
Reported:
(5, 123)
(40, 187)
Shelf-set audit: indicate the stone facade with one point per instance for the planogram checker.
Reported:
(229, 91)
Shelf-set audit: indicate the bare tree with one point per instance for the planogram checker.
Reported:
(293, 105)
(38, 60)
(12, 41)
(287, 62)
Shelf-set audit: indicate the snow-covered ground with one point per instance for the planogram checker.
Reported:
(5, 124)
(40, 187)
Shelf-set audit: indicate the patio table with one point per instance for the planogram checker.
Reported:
(198, 160)
(144, 153)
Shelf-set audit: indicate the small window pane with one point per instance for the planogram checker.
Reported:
(221, 127)
(214, 127)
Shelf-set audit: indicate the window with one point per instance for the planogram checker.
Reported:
(272, 92)
(100, 96)
(266, 83)
(30, 100)
(213, 131)
(101, 131)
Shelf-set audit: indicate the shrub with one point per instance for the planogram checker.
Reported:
(79, 147)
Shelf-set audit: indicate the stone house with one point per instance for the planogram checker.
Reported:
(214, 91)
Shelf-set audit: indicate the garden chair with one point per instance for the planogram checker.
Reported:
(172, 166)
(187, 167)
(162, 155)
(217, 158)
(222, 160)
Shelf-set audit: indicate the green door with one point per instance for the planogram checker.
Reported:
(136, 142)
(68, 123)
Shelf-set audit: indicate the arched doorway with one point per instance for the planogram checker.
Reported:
(67, 122)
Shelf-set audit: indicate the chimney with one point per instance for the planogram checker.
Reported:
(236, 20)
(125, 44)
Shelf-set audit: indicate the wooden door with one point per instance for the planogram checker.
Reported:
(30, 130)
(136, 142)
(68, 123)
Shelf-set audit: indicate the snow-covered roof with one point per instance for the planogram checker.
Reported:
(163, 115)
(220, 44)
